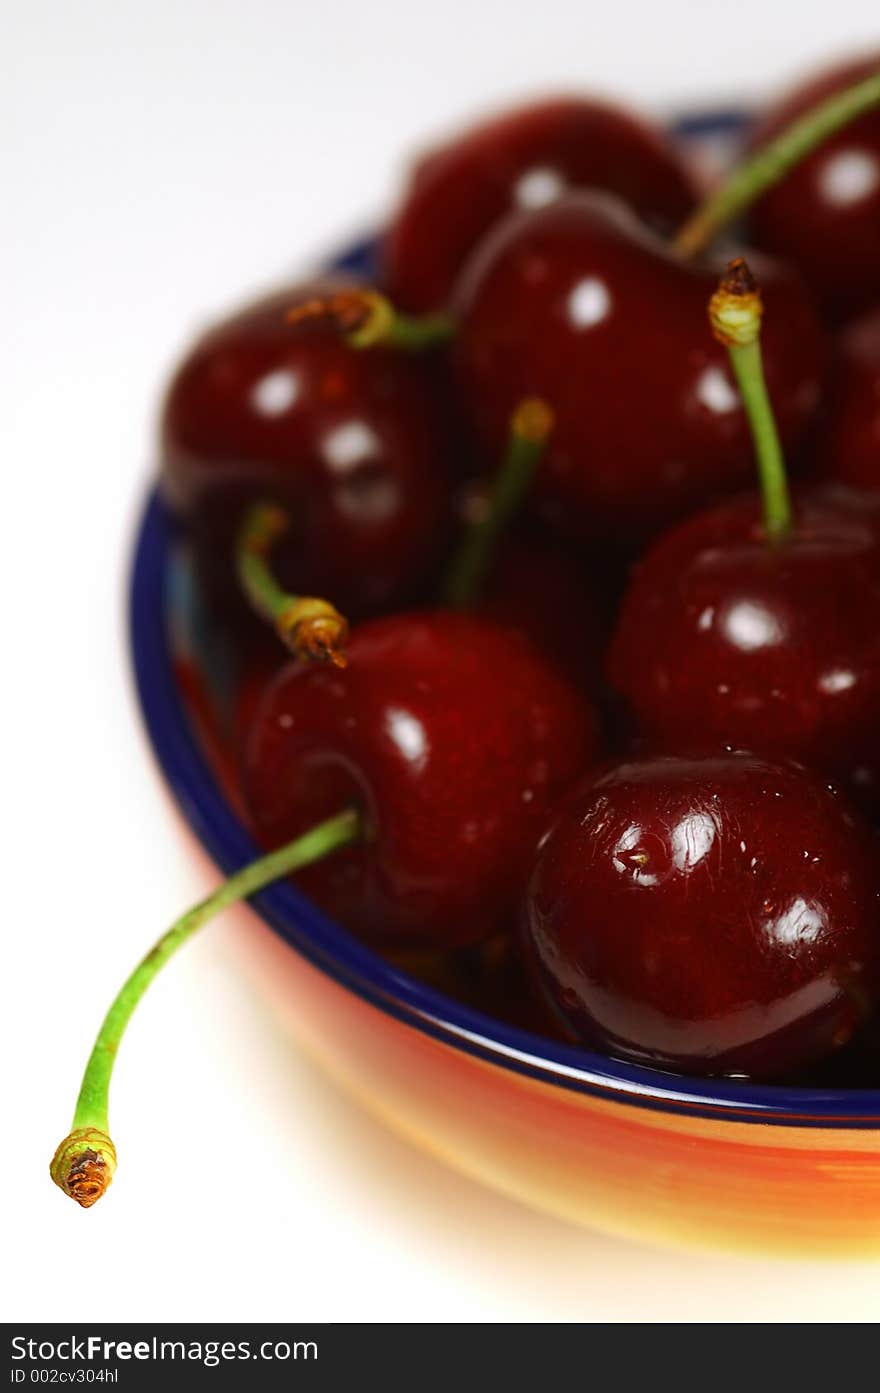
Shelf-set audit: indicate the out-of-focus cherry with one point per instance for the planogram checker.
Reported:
(524, 159)
(824, 214)
(355, 446)
(582, 305)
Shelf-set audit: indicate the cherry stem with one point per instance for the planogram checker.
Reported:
(735, 313)
(530, 426)
(366, 319)
(771, 163)
(309, 627)
(84, 1163)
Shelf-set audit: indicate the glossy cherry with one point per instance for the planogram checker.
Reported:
(453, 736)
(524, 159)
(356, 446)
(850, 441)
(824, 215)
(727, 638)
(582, 305)
(715, 916)
(545, 593)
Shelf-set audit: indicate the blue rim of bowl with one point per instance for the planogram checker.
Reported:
(353, 965)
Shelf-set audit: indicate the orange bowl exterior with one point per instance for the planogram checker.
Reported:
(666, 1178)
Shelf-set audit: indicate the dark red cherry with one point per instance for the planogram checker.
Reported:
(454, 736)
(850, 443)
(726, 638)
(354, 445)
(580, 304)
(524, 159)
(715, 916)
(824, 216)
(542, 590)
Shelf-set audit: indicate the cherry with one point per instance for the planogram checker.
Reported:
(824, 215)
(752, 624)
(524, 159)
(355, 446)
(850, 444)
(581, 304)
(716, 915)
(724, 638)
(546, 593)
(453, 736)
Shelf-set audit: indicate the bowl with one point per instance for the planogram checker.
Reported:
(664, 1159)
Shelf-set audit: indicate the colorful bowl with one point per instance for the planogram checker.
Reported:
(634, 1152)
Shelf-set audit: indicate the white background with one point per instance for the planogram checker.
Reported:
(160, 160)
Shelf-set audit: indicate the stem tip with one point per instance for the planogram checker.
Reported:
(314, 630)
(736, 308)
(532, 420)
(363, 317)
(83, 1165)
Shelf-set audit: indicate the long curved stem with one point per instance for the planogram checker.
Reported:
(530, 425)
(309, 627)
(84, 1163)
(735, 312)
(746, 184)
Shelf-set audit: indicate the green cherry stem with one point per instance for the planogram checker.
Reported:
(366, 319)
(771, 163)
(309, 627)
(530, 425)
(735, 313)
(84, 1163)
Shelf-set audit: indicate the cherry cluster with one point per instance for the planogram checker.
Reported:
(700, 902)
(597, 741)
